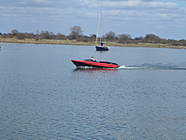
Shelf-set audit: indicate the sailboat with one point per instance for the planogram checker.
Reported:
(100, 45)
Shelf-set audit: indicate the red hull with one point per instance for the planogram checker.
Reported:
(96, 64)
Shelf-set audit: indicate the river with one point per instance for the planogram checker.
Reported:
(43, 96)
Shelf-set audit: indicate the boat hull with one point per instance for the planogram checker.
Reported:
(99, 48)
(94, 64)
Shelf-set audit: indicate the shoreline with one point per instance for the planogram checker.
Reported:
(78, 43)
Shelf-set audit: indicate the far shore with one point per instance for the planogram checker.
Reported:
(74, 42)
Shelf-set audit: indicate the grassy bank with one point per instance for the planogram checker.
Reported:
(73, 42)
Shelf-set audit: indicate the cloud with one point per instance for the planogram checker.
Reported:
(121, 8)
(40, 1)
(156, 10)
(129, 4)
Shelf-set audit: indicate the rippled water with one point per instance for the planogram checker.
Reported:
(43, 96)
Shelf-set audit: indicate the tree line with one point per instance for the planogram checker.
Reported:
(76, 33)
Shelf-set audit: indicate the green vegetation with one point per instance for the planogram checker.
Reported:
(77, 38)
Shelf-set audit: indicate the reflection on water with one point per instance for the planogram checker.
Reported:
(94, 69)
(42, 96)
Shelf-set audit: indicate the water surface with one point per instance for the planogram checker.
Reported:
(43, 96)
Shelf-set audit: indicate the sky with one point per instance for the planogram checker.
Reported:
(165, 18)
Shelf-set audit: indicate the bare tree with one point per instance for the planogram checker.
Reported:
(152, 38)
(14, 31)
(76, 32)
(124, 38)
(110, 36)
(60, 36)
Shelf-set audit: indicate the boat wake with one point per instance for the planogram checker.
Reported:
(136, 67)
(128, 67)
(152, 67)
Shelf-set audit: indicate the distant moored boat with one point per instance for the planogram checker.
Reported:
(102, 47)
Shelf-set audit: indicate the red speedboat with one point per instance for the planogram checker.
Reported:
(94, 64)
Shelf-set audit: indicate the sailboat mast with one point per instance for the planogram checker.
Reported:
(99, 15)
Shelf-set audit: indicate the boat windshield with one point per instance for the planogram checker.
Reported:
(90, 60)
(101, 61)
